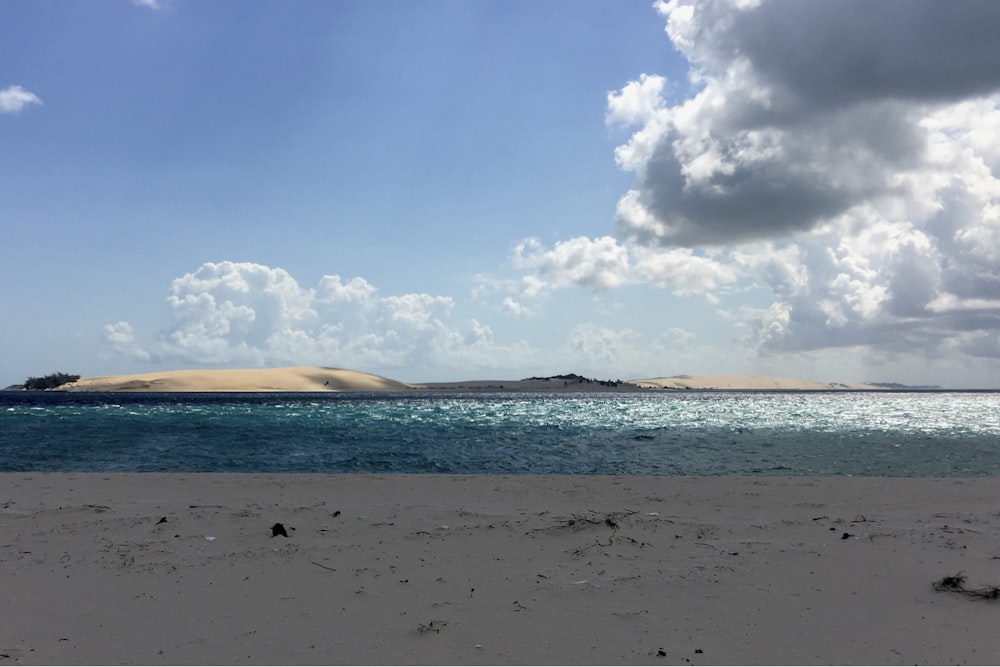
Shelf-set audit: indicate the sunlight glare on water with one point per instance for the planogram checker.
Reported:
(689, 433)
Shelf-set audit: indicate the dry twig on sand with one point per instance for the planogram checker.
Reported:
(592, 518)
(433, 626)
(956, 584)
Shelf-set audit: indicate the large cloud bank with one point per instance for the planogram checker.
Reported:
(249, 314)
(842, 156)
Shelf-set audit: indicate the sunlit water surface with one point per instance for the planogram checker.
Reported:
(696, 433)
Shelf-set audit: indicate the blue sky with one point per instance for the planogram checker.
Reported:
(480, 189)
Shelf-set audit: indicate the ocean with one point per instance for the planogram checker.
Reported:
(919, 434)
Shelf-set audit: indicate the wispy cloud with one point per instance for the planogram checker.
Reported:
(14, 98)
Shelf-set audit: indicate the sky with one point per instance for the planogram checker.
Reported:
(496, 189)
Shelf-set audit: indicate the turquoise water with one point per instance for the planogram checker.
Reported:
(688, 433)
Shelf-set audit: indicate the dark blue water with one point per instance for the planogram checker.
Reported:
(884, 434)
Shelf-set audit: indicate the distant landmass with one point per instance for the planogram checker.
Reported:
(748, 383)
(895, 386)
(320, 379)
(299, 378)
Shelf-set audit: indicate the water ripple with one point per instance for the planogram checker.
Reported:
(892, 434)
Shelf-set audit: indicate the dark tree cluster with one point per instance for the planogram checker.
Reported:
(573, 377)
(50, 381)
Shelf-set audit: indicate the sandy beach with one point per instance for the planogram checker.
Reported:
(186, 568)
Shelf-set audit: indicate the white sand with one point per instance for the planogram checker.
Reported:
(300, 378)
(494, 570)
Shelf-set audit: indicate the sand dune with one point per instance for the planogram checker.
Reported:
(745, 382)
(300, 378)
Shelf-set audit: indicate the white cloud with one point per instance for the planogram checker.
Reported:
(151, 4)
(417, 312)
(787, 133)
(604, 263)
(514, 307)
(638, 102)
(830, 155)
(14, 98)
(241, 313)
(333, 290)
(676, 338)
(598, 263)
(683, 271)
(120, 337)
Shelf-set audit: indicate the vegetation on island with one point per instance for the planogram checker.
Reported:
(572, 378)
(50, 381)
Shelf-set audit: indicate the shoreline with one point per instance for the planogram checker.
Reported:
(488, 569)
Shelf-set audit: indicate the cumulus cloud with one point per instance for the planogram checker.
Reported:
(684, 271)
(242, 313)
(515, 307)
(120, 337)
(599, 263)
(605, 263)
(841, 157)
(803, 112)
(14, 98)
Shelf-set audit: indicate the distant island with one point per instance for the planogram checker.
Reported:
(326, 379)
